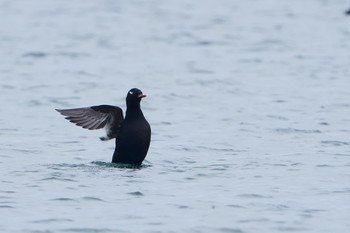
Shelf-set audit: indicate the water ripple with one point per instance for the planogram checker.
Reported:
(6, 207)
(230, 230)
(137, 193)
(253, 195)
(254, 220)
(291, 130)
(65, 199)
(90, 230)
(50, 220)
(92, 199)
(335, 143)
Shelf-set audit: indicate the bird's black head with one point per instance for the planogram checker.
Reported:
(134, 96)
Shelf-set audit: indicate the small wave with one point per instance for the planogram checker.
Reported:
(92, 199)
(25, 151)
(253, 195)
(137, 193)
(230, 230)
(335, 143)
(313, 210)
(254, 220)
(59, 179)
(70, 165)
(342, 191)
(227, 149)
(64, 199)
(220, 167)
(324, 165)
(35, 54)
(7, 191)
(89, 230)
(6, 207)
(277, 117)
(235, 206)
(291, 130)
(65, 166)
(73, 54)
(9, 129)
(50, 220)
(293, 229)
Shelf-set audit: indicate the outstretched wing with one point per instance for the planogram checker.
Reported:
(96, 117)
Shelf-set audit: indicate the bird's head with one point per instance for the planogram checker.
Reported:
(134, 96)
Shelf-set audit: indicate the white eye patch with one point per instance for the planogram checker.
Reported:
(130, 92)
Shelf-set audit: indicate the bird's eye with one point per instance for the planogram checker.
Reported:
(130, 92)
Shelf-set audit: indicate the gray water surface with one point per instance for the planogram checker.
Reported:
(248, 103)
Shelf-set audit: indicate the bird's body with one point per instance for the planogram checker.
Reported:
(133, 134)
(134, 137)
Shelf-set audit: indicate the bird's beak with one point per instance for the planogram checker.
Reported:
(142, 95)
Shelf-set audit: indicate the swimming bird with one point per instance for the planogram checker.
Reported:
(132, 134)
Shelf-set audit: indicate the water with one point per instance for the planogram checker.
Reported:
(248, 102)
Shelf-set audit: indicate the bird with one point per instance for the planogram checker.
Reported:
(347, 12)
(132, 133)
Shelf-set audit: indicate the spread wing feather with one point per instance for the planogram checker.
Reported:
(96, 117)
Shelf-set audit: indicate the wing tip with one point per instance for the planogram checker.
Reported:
(59, 110)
